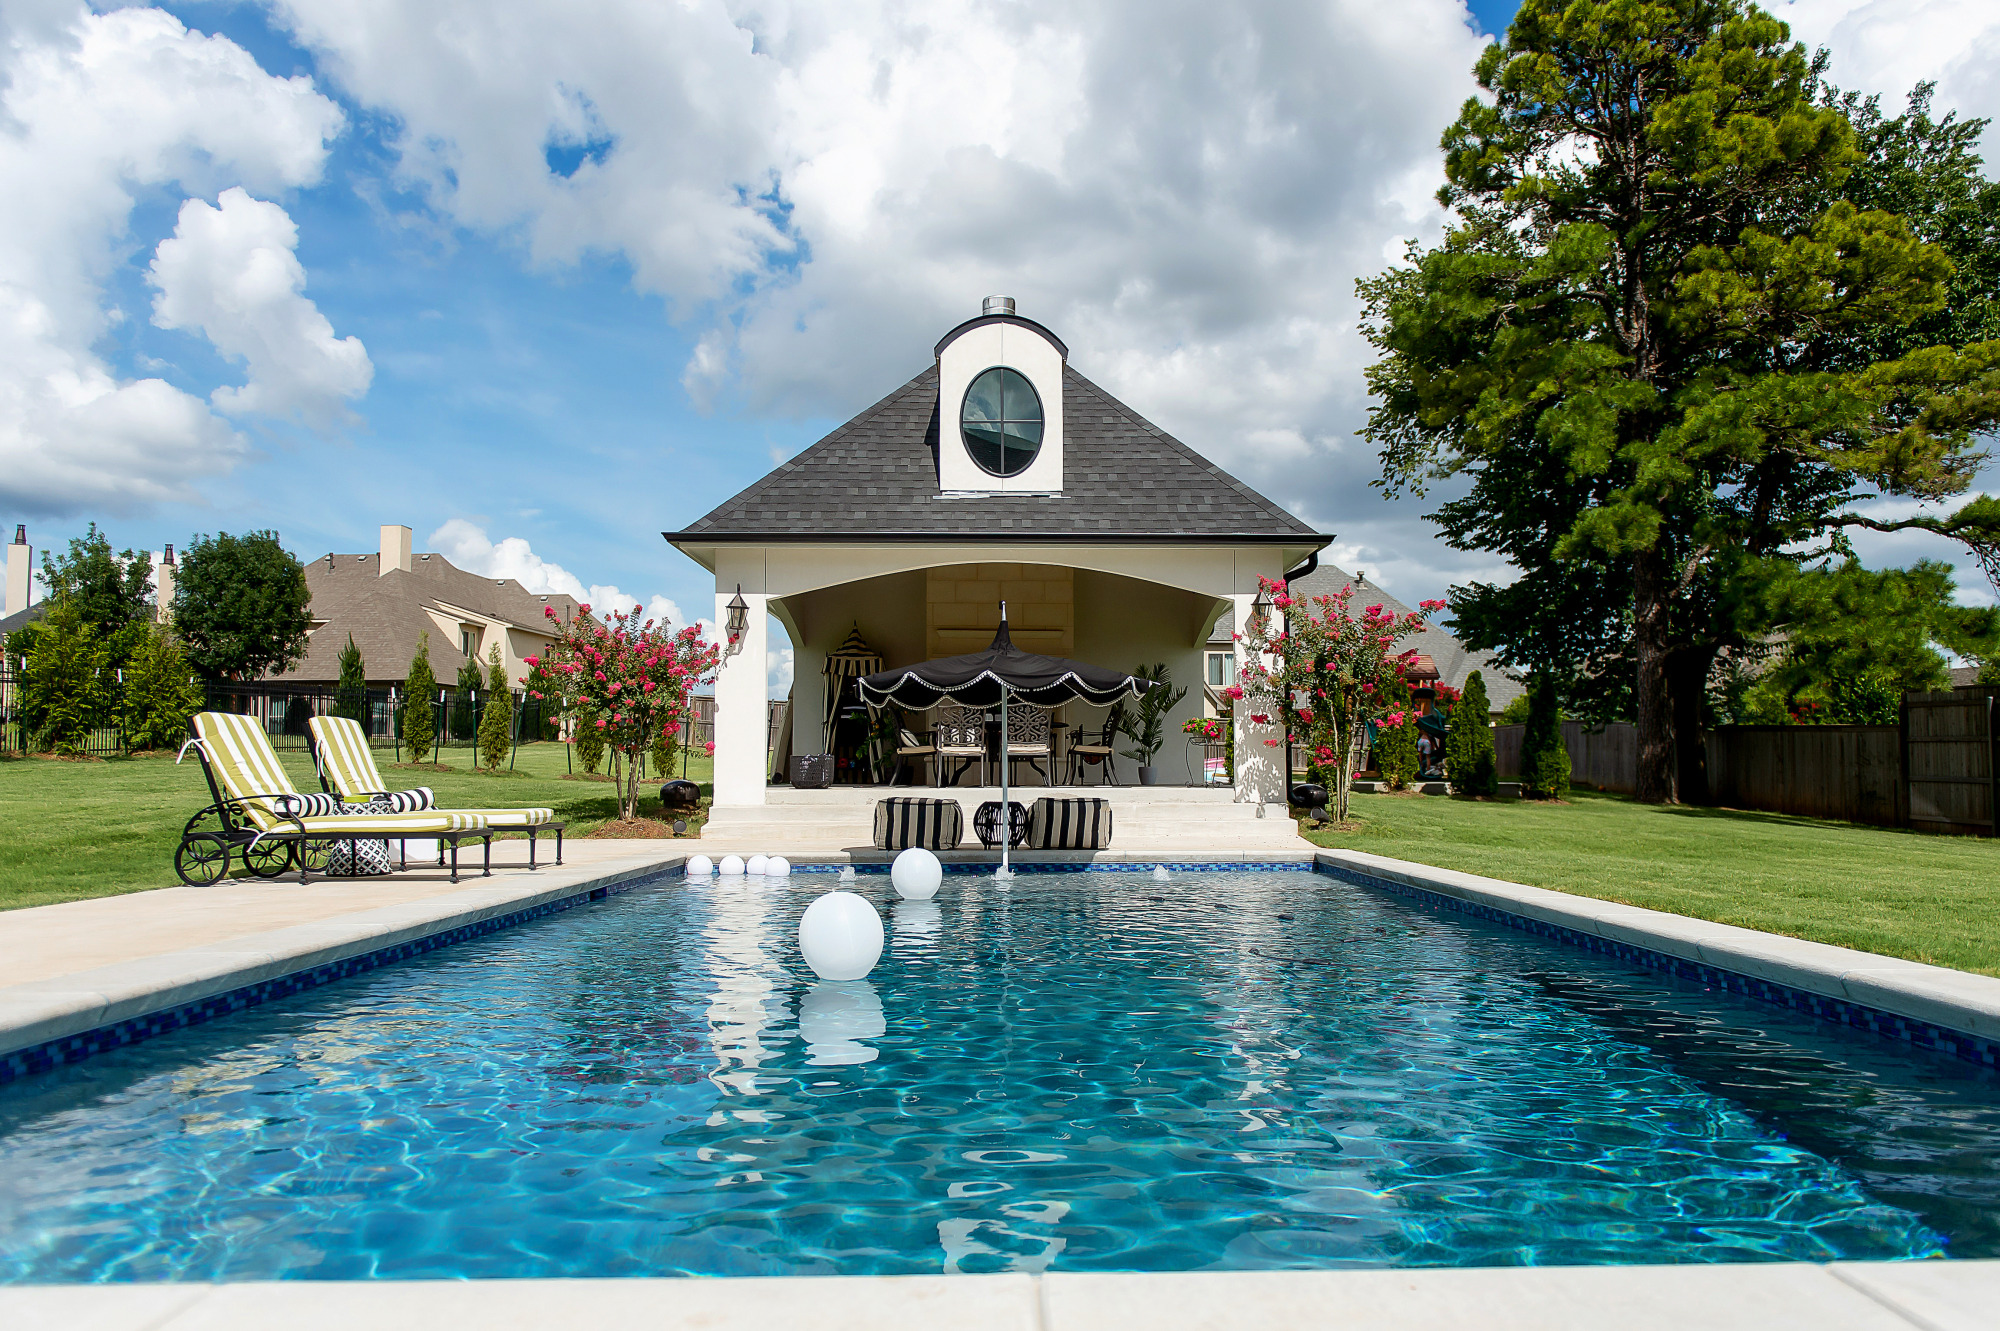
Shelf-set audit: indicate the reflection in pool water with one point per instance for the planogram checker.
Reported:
(1075, 1071)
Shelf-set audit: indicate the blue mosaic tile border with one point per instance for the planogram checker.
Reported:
(74, 1048)
(1133, 866)
(1922, 1034)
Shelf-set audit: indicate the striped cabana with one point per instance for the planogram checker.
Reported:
(851, 660)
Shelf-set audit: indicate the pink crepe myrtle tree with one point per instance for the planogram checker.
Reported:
(631, 681)
(1322, 671)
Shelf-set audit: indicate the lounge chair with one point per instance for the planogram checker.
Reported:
(262, 818)
(347, 769)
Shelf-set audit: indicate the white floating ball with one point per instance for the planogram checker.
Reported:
(840, 936)
(756, 865)
(732, 865)
(777, 867)
(916, 874)
(700, 867)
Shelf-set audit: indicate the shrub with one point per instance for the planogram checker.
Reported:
(589, 741)
(160, 693)
(420, 702)
(496, 722)
(1396, 733)
(1468, 743)
(350, 696)
(1544, 756)
(67, 692)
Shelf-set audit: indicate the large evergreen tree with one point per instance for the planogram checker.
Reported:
(160, 692)
(68, 690)
(1672, 354)
(496, 721)
(241, 606)
(1468, 741)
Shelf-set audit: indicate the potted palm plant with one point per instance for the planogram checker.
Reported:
(1146, 724)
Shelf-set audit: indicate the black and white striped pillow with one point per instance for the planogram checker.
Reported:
(932, 824)
(410, 801)
(318, 806)
(1070, 824)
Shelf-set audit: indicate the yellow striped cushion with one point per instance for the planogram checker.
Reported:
(345, 758)
(513, 817)
(246, 767)
(394, 824)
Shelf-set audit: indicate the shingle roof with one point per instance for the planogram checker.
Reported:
(385, 613)
(877, 476)
(1454, 660)
(20, 619)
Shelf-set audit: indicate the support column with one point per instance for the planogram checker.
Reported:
(1260, 767)
(742, 715)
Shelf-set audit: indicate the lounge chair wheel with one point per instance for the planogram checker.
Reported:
(316, 854)
(202, 860)
(268, 859)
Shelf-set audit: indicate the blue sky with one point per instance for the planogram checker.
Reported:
(608, 270)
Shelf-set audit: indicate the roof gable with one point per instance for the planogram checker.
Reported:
(877, 476)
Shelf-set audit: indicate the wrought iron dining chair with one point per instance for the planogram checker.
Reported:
(912, 750)
(1027, 739)
(959, 733)
(1083, 755)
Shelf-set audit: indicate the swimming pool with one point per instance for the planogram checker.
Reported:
(1079, 1071)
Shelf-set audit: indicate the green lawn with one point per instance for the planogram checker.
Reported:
(93, 829)
(1927, 898)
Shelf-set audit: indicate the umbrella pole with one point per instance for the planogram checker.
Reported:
(1006, 809)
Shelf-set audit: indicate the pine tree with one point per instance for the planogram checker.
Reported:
(419, 702)
(67, 692)
(464, 719)
(350, 696)
(1468, 743)
(496, 723)
(1544, 756)
(160, 692)
(1396, 745)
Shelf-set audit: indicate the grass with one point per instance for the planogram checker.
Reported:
(94, 829)
(1906, 894)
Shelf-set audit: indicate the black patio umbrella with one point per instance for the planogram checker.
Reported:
(1001, 674)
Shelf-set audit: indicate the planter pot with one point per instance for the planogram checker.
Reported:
(1149, 776)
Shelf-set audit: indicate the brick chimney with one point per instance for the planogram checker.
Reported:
(164, 571)
(395, 550)
(20, 571)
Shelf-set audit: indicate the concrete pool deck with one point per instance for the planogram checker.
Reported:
(1842, 1296)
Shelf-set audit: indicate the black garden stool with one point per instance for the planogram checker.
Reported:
(986, 824)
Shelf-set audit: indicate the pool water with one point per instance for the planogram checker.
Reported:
(1075, 1072)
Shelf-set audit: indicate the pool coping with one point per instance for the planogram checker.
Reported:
(1774, 1296)
(63, 1019)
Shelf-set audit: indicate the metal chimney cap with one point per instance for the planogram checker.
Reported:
(997, 305)
(21, 534)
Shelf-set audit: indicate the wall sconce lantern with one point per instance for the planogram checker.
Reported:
(1260, 613)
(739, 617)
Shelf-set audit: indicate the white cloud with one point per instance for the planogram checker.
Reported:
(232, 272)
(96, 109)
(1890, 46)
(467, 545)
(778, 671)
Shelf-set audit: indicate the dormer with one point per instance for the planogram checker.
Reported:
(1000, 405)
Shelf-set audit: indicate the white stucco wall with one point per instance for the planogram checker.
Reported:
(968, 355)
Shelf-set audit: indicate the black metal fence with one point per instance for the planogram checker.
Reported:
(286, 708)
(16, 738)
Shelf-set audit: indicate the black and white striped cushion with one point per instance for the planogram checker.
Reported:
(318, 806)
(1069, 824)
(410, 801)
(932, 824)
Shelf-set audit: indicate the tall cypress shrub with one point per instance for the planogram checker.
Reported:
(1396, 746)
(350, 696)
(1468, 742)
(68, 689)
(1544, 756)
(589, 742)
(464, 720)
(496, 722)
(420, 702)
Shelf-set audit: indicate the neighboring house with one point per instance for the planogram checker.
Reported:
(15, 612)
(388, 598)
(1452, 659)
(997, 473)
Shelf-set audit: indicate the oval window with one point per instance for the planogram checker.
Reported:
(1001, 421)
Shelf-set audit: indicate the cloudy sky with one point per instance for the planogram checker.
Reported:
(541, 281)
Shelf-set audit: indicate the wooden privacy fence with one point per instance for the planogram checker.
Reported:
(1937, 771)
(1607, 759)
(1853, 773)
